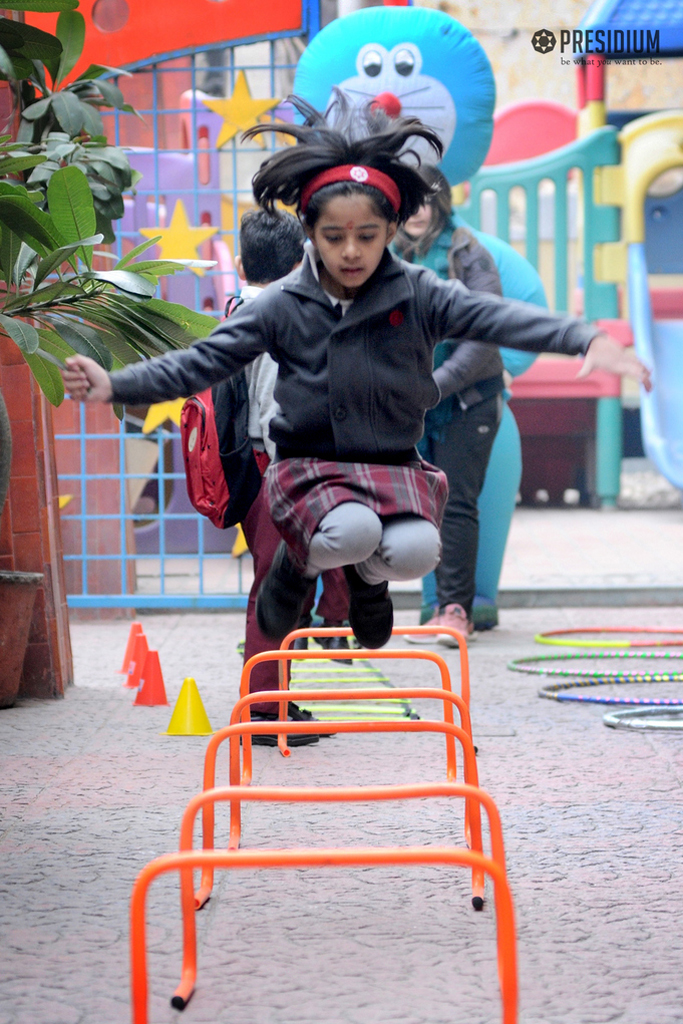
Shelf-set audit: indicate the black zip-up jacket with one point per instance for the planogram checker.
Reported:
(353, 387)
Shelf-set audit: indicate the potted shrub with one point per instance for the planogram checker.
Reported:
(61, 185)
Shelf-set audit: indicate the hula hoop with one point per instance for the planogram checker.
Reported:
(539, 666)
(644, 718)
(554, 637)
(555, 691)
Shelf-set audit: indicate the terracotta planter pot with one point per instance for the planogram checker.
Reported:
(17, 595)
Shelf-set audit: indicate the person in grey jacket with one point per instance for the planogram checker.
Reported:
(353, 332)
(461, 429)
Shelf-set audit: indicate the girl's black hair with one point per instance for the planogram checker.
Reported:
(441, 202)
(345, 134)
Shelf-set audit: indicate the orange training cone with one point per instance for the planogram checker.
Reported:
(189, 717)
(135, 630)
(151, 691)
(137, 662)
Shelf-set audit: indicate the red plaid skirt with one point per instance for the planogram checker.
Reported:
(302, 491)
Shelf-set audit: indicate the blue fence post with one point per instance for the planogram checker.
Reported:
(608, 451)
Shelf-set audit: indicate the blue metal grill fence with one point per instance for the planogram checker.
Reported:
(131, 537)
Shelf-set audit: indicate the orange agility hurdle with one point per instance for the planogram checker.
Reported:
(313, 631)
(284, 656)
(246, 729)
(185, 861)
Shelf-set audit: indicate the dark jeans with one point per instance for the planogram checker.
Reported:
(463, 453)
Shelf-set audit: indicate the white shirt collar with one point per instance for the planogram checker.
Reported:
(312, 253)
(250, 291)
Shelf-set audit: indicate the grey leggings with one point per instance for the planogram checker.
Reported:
(402, 547)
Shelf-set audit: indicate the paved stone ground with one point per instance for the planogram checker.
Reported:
(592, 818)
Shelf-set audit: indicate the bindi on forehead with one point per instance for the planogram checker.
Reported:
(349, 225)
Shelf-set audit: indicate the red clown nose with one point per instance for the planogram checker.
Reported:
(386, 101)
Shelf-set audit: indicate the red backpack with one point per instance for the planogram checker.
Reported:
(221, 471)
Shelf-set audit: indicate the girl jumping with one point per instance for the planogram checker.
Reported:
(353, 332)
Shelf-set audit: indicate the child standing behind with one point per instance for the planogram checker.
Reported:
(353, 332)
(271, 245)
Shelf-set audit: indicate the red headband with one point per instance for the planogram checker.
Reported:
(353, 172)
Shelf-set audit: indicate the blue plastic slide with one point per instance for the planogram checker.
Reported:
(659, 343)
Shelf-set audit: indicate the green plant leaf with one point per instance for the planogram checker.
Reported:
(69, 112)
(39, 76)
(163, 267)
(121, 348)
(92, 122)
(48, 377)
(105, 228)
(23, 66)
(137, 251)
(51, 342)
(42, 174)
(20, 163)
(114, 311)
(124, 280)
(6, 66)
(24, 260)
(111, 94)
(41, 6)
(9, 37)
(12, 188)
(95, 70)
(37, 45)
(10, 244)
(31, 303)
(199, 325)
(33, 226)
(22, 333)
(115, 157)
(112, 208)
(36, 110)
(173, 335)
(61, 255)
(71, 34)
(82, 339)
(70, 202)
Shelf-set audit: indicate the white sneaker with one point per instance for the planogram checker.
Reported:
(424, 639)
(454, 617)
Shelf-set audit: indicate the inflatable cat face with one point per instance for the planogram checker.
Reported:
(420, 63)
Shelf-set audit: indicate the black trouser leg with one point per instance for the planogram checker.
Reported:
(463, 454)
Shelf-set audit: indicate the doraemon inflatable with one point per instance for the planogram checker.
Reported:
(422, 63)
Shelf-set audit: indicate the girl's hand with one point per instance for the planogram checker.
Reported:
(605, 354)
(86, 381)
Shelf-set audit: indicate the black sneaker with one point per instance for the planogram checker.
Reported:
(281, 597)
(371, 613)
(294, 714)
(335, 643)
(301, 643)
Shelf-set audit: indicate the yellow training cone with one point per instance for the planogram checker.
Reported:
(189, 717)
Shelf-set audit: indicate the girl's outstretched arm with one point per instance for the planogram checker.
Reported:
(86, 381)
(451, 311)
(235, 343)
(605, 354)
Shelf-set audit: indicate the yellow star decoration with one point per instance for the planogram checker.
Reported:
(180, 241)
(240, 112)
(162, 411)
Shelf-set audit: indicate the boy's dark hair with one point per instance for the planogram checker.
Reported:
(440, 201)
(345, 134)
(271, 244)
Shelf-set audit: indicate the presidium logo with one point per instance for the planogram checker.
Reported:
(543, 41)
(598, 41)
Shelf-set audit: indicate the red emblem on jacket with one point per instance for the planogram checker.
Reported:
(396, 318)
